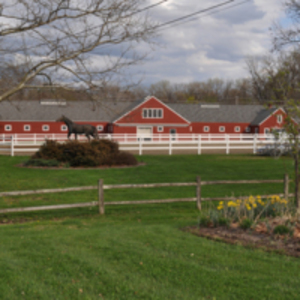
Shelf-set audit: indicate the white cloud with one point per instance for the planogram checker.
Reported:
(211, 46)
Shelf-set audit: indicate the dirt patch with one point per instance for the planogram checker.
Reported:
(275, 243)
(81, 168)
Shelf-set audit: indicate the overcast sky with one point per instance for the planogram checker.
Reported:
(212, 46)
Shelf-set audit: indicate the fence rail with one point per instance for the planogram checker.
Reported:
(156, 143)
(101, 187)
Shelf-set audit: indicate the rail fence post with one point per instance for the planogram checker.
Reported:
(12, 146)
(198, 192)
(170, 144)
(101, 197)
(286, 186)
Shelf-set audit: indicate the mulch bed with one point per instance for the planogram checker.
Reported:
(274, 243)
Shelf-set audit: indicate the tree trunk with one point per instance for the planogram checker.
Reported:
(297, 181)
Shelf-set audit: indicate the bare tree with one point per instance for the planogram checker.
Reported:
(69, 43)
(283, 36)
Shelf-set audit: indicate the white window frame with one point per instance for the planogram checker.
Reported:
(160, 128)
(279, 119)
(45, 127)
(63, 127)
(237, 128)
(222, 128)
(8, 127)
(148, 113)
(100, 127)
(27, 127)
(206, 128)
(248, 129)
(267, 130)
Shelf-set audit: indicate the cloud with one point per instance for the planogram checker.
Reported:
(213, 45)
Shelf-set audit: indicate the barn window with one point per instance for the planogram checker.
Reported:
(160, 128)
(279, 119)
(267, 130)
(27, 127)
(237, 129)
(248, 129)
(99, 127)
(206, 128)
(45, 127)
(152, 113)
(222, 129)
(63, 128)
(8, 128)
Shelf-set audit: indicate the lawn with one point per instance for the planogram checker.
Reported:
(136, 252)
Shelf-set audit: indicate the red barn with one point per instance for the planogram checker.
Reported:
(148, 116)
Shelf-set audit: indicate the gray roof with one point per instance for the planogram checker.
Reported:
(109, 111)
(262, 115)
(217, 113)
(75, 110)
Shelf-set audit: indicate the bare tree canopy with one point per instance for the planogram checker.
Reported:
(290, 35)
(69, 42)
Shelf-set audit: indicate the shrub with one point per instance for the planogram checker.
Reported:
(246, 224)
(88, 154)
(42, 163)
(281, 229)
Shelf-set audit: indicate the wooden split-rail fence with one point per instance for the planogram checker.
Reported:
(101, 187)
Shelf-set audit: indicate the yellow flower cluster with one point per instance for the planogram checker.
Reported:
(252, 202)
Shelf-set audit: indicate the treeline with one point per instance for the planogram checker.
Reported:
(272, 78)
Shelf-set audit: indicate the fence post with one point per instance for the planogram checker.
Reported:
(286, 186)
(198, 192)
(199, 144)
(227, 144)
(254, 144)
(12, 146)
(101, 197)
(170, 144)
(140, 146)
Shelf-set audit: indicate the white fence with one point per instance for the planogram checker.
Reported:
(156, 143)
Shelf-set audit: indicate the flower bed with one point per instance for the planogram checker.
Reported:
(269, 223)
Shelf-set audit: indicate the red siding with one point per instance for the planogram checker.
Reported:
(214, 128)
(36, 127)
(136, 115)
(271, 121)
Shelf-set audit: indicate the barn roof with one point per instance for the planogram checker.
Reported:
(35, 110)
(262, 115)
(75, 110)
(218, 113)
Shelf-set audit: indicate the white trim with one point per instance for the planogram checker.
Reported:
(152, 113)
(275, 111)
(62, 128)
(237, 127)
(8, 127)
(206, 128)
(44, 127)
(100, 127)
(160, 128)
(279, 118)
(29, 127)
(267, 129)
(147, 99)
(222, 128)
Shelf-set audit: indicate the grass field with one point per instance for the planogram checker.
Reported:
(136, 252)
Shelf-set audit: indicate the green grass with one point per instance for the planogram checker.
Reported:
(136, 251)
